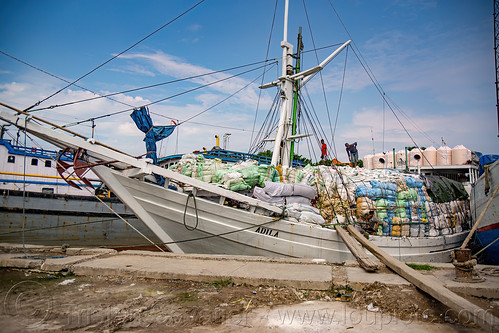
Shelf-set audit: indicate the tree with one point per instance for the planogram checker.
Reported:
(268, 153)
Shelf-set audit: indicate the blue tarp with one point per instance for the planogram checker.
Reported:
(143, 121)
(486, 159)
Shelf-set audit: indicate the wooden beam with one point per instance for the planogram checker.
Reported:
(362, 258)
(464, 309)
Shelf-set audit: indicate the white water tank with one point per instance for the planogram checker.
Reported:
(460, 155)
(413, 161)
(429, 156)
(368, 162)
(444, 156)
(377, 161)
(400, 163)
(389, 160)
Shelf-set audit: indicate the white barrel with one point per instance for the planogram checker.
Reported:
(400, 163)
(376, 161)
(444, 156)
(368, 162)
(413, 162)
(429, 156)
(460, 155)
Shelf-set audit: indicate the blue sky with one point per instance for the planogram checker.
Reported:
(434, 60)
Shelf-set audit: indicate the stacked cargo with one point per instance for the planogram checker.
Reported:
(400, 203)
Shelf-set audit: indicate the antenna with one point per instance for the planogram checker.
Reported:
(383, 147)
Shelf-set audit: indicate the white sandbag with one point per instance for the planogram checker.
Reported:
(260, 194)
(446, 231)
(338, 219)
(278, 189)
(417, 230)
(231, 175)
(302, 207)
(289, 212)
(304, 191)
(297, 199)
(310, 217)
(433, 232)
(243, 164)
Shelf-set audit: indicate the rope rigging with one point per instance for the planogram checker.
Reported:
(173, 96)
(375, 82)
(148, 86)
(263, 76)
(61, 79)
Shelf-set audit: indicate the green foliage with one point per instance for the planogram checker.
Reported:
(187, 297)
(302, 159)
(223, 283)
(267, 153)
(414, 147)
(421, 267)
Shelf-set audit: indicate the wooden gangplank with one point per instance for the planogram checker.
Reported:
(362, 258)
(465, 310)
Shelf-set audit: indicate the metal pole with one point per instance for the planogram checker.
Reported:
(496, 45)
(299, 47)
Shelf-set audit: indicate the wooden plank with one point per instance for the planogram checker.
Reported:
(465, 310)
(362, 258)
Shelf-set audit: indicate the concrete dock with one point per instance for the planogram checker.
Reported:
(302, 274)
(312, 274)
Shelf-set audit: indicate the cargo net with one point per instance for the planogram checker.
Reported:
(382, 202)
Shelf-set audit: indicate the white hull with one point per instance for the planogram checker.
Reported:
(226, 230)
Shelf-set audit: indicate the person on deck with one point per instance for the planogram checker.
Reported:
(353, 154)
(323, 152)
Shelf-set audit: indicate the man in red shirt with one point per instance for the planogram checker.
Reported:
(323, 152)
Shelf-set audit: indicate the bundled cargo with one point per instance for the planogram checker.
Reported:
(238, 177)
(400, 204)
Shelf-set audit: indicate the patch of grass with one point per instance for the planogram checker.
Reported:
(421, 267)
(223, 283)
(187, 297)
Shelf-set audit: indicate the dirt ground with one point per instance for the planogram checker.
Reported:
(34, 301)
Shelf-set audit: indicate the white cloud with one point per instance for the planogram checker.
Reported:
(176, 67)
(194, 27)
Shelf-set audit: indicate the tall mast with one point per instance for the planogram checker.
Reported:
(282, 147)
(299, 48)
(288, 80)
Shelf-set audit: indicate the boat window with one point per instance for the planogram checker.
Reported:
(48, 164)
(11, 159)
(34, 161)
(48, 190)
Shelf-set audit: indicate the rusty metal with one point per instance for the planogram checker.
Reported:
(63, 167)
(464, 265)
(80, 168)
